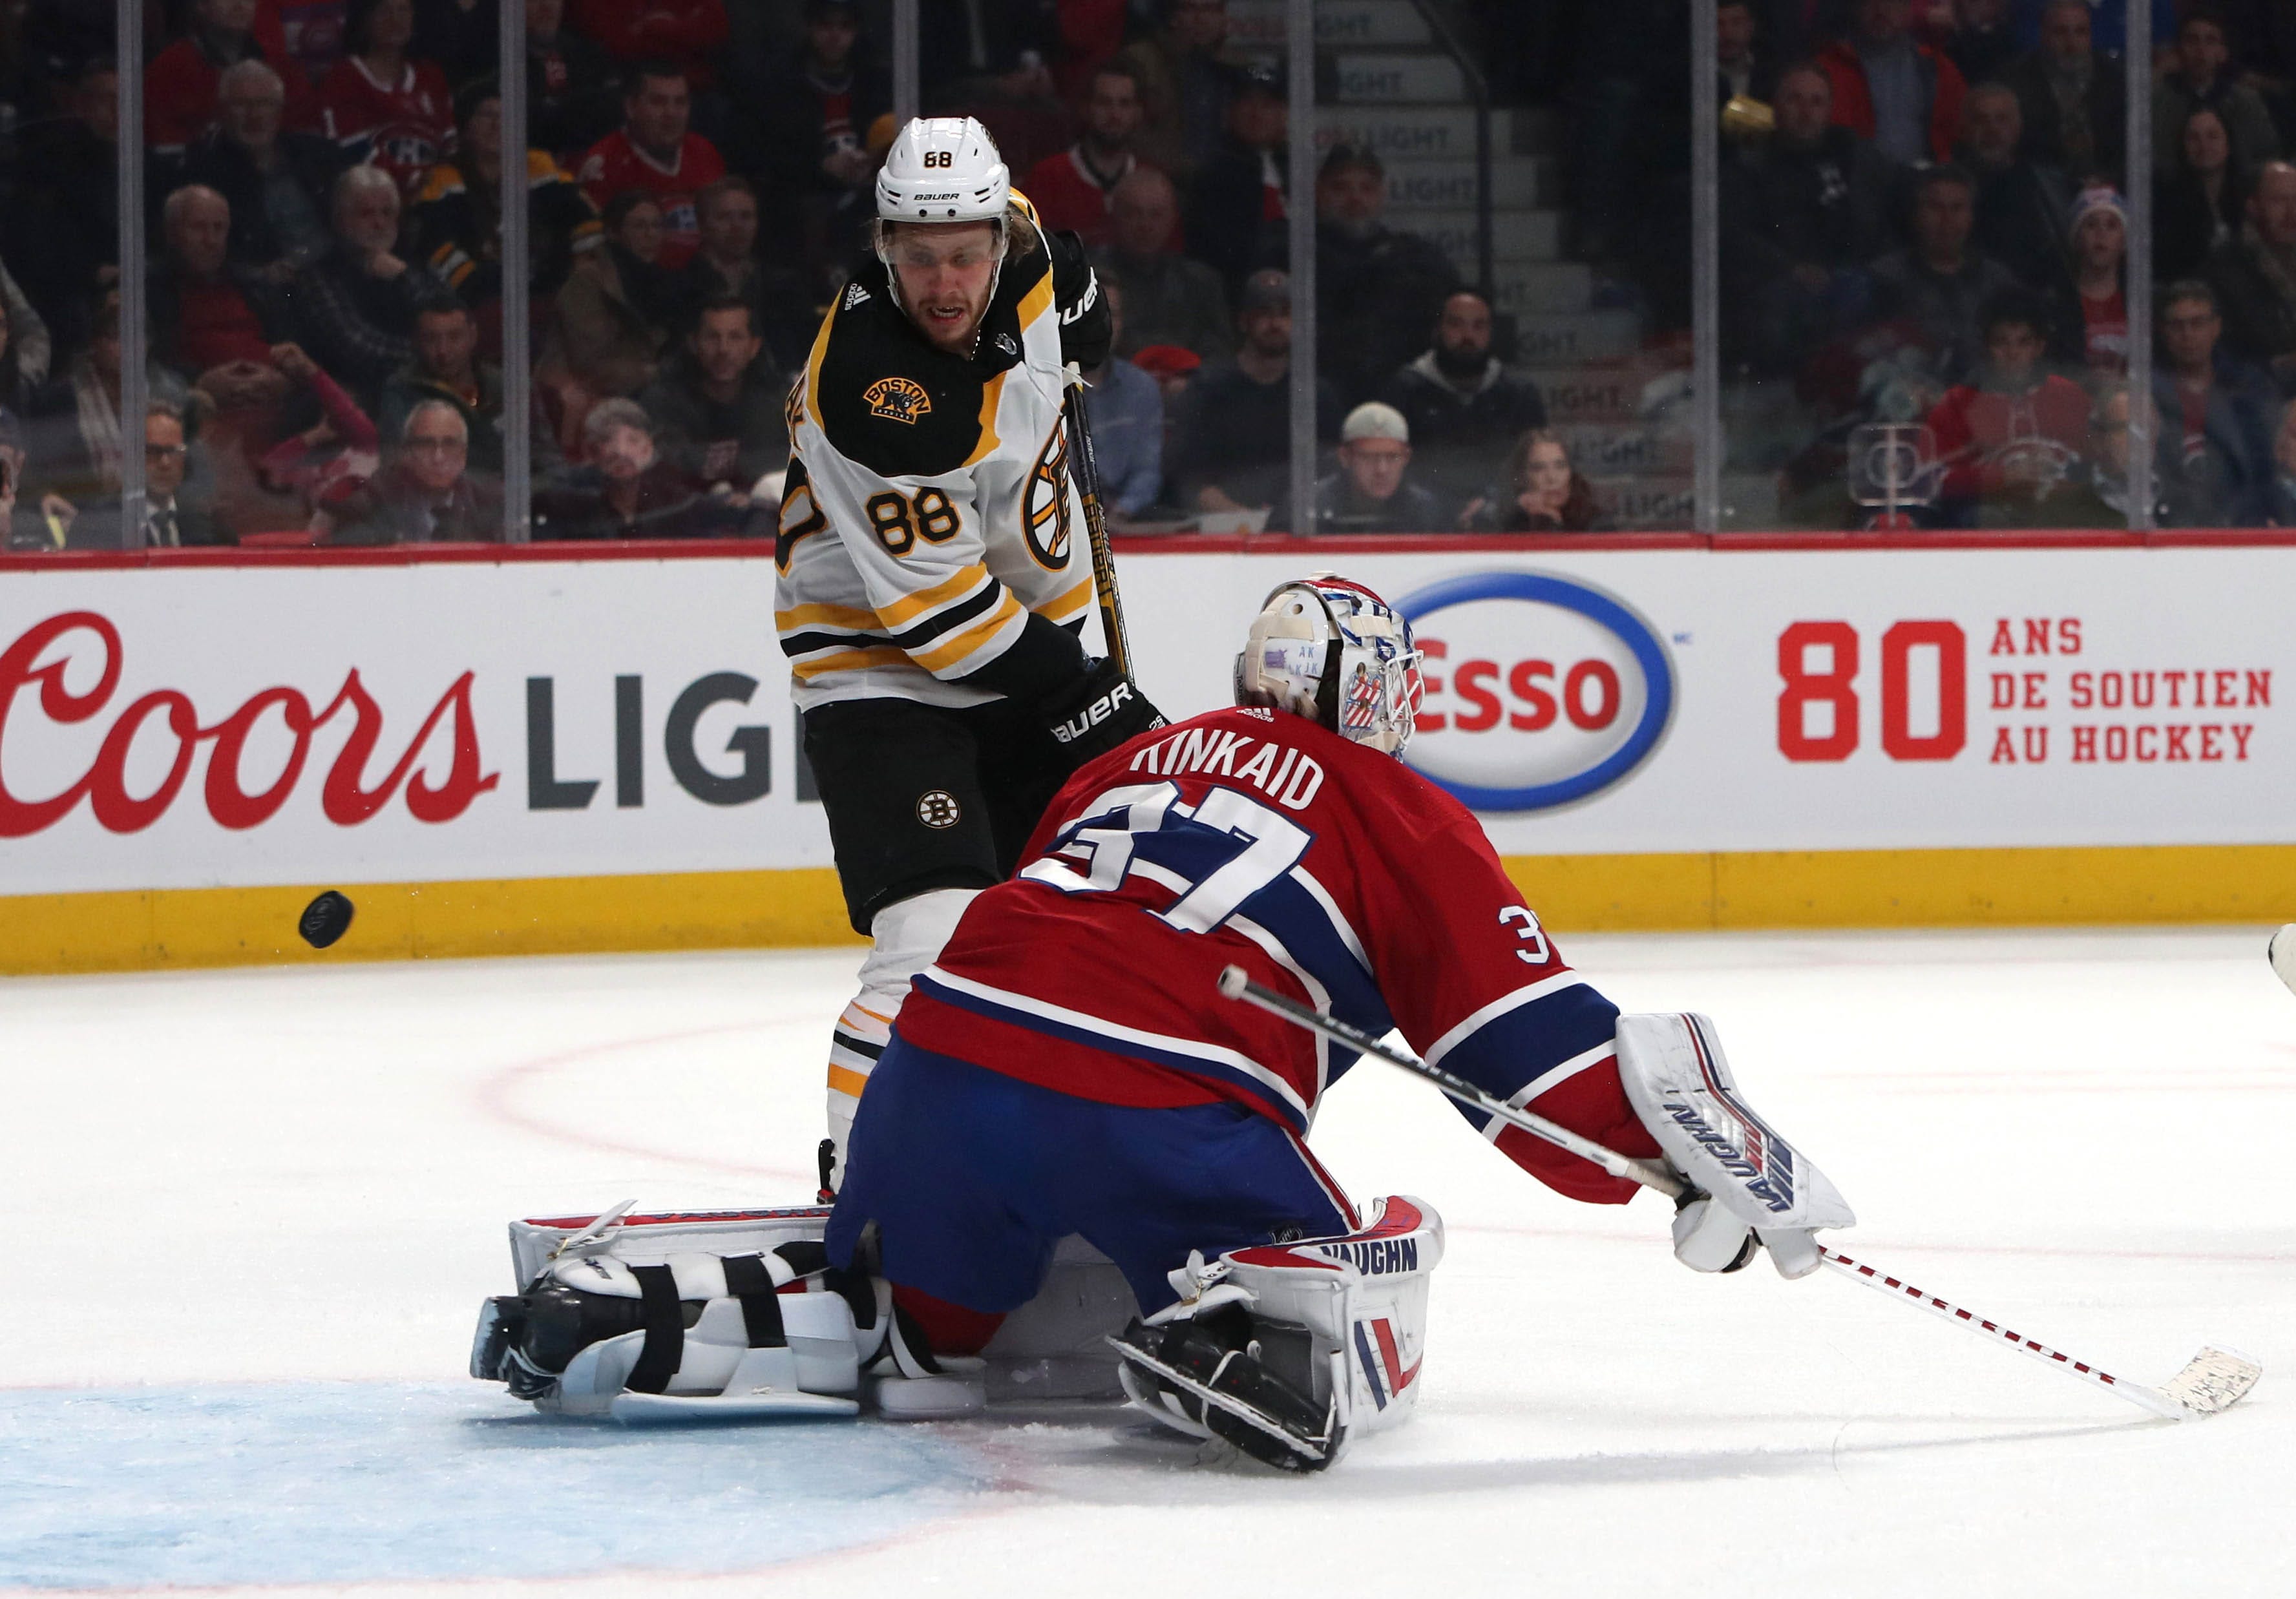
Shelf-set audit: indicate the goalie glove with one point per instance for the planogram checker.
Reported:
(1749, 1185)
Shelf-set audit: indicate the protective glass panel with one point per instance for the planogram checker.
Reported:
(700, 184)
(60, 437)
(321, 233)
(1928, 321)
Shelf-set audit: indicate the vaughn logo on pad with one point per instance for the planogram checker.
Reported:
(1539, 690)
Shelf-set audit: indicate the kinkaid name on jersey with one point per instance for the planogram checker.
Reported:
(1284, 774)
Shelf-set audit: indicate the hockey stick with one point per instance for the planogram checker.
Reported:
(1095, 526)
(2213, 1380)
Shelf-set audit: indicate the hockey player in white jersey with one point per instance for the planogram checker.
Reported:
(932, 584)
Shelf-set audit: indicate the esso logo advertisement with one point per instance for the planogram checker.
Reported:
(1539, 691)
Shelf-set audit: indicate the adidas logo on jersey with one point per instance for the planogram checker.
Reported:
(854, 295)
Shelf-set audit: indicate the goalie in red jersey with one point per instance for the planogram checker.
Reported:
(1068, 1065)
(1068, 1068)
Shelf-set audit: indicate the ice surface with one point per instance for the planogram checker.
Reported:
(251, 1214)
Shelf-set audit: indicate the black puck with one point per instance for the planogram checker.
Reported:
(325, 919)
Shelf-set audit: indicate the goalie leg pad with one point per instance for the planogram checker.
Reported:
(1321, 1340)
(1749, 1181)
(636, 1321)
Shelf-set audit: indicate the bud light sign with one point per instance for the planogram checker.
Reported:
(1539, 691)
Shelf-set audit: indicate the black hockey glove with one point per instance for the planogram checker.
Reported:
(1100, 711)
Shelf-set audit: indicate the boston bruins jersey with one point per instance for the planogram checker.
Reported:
(927, 514)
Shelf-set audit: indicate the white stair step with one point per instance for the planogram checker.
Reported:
(1527, 288)
(1259, 24)
(1408, 133)
(1656, 504)
(1576, 398)
(1617, 449)
(1394, 77)
(1668, 503)
(1518, 183)
(1530, 242)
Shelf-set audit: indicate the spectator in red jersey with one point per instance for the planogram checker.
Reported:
(359, 298)
(181, 85)
(206, 314)
(379, 105)
(685, 33)
(2090, 316)
(813, 130)
(573, 88)
(275, 180)
(2010, 439)
(656, 151)
(1888, 88)
(1072, 190)
(1236, 205)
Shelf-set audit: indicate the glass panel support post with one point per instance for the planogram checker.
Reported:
(1706, 268)
(516, 280)
(2136, 69)
(1299, 219)
(135, 344)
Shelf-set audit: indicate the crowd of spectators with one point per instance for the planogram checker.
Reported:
(1923, 218)
(1929, 233)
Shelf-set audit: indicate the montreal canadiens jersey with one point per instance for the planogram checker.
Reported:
(403, 128)
(1328, 871)
(927, 508)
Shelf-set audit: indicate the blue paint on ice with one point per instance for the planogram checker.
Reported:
(330, 1482)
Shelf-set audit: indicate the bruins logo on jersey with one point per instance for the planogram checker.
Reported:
(897, 399)
(1045, 503)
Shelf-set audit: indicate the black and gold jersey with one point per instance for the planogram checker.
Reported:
(928, 512)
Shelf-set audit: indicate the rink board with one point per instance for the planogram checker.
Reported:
(526, 755)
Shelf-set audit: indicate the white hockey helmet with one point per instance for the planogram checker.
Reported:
(1336, 653)
(943, 169)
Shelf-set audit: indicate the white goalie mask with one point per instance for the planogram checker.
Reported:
(1336, 653)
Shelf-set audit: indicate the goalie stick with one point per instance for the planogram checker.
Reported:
(2214, 1380)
